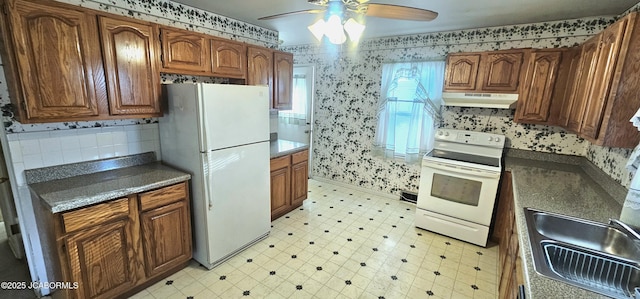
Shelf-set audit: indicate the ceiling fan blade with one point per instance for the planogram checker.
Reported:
(390, 11)
(307, 11)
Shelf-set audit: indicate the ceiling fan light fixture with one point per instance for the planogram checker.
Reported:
(318, 29)
(334, 30)
(353, 29)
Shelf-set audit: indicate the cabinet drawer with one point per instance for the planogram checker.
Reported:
(300, 156)
(100, 213)
(282, 162)
(163, 196)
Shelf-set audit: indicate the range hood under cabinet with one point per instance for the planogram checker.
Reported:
(482, 100)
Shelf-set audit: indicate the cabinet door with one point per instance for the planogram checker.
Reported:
(280, 186)
(228, 59)
(184, 51)
(130, 57)
(584, 79)
(572, 66)
(260, 68)
(500, 71)
(299, 182)
(535, 98)
(100, 259)
(166, 237)
(58, 61)
(600, 84)
(461, 72)
(282, 80)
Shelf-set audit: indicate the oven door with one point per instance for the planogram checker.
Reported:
(457, 191)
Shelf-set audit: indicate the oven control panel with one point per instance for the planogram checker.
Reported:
(470, 137)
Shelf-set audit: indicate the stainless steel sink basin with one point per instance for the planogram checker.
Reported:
(587, 254)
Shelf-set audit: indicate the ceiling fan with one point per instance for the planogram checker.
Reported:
(338, 10)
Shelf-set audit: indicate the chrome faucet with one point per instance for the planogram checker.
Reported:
(630, 231)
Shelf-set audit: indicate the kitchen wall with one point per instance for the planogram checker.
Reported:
(348, 87)
(38, 145)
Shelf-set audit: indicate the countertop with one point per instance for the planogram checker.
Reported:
(71, 192)
(283, 147)
(568, 189)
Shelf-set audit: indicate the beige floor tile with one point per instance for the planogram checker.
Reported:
(351, 291)
(408, 254)
(335, 283)
(232, 293)
(480, 294)
(220, 287)
(164, 291)
(440, 291)
(194, 288)
(458, 295)
(463, 288)
(326, 292)
(247, 283)
(205, 294)
(286, 289)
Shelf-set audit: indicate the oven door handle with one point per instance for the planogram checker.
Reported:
(462, 170)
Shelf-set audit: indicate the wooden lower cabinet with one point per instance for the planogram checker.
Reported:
(506, 233)
(164, 233)
(100, 259)
(299, 177)
(280, 186)
(117, 248)
(289, 182)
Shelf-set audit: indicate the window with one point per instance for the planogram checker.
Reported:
(298, 112)
(409, 109)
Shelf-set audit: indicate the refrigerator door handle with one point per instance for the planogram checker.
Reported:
(209, 196)
(207, 182)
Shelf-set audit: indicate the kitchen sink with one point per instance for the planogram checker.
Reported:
(603, 258)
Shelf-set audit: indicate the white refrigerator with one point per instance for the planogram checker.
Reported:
(219, 133)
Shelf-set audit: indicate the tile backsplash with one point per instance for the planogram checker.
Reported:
(48, 148)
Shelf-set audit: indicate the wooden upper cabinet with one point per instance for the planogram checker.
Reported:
(260, 67)
(607, 57)
(228, 58)
(462, 71)
(131, 64)
(567, 74)
(534, 103)
(184, 51)
(617, 94)
(486, 72)
(282, 80)
(53, 61)
(582, 83)
(500, 71)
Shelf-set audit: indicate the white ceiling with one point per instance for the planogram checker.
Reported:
(453, 14)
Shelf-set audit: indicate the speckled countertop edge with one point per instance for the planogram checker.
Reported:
(69, 193)
(537, 285)
(283, 147)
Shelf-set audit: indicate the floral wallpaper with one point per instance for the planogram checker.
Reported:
(348, 86)
(158, 11)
